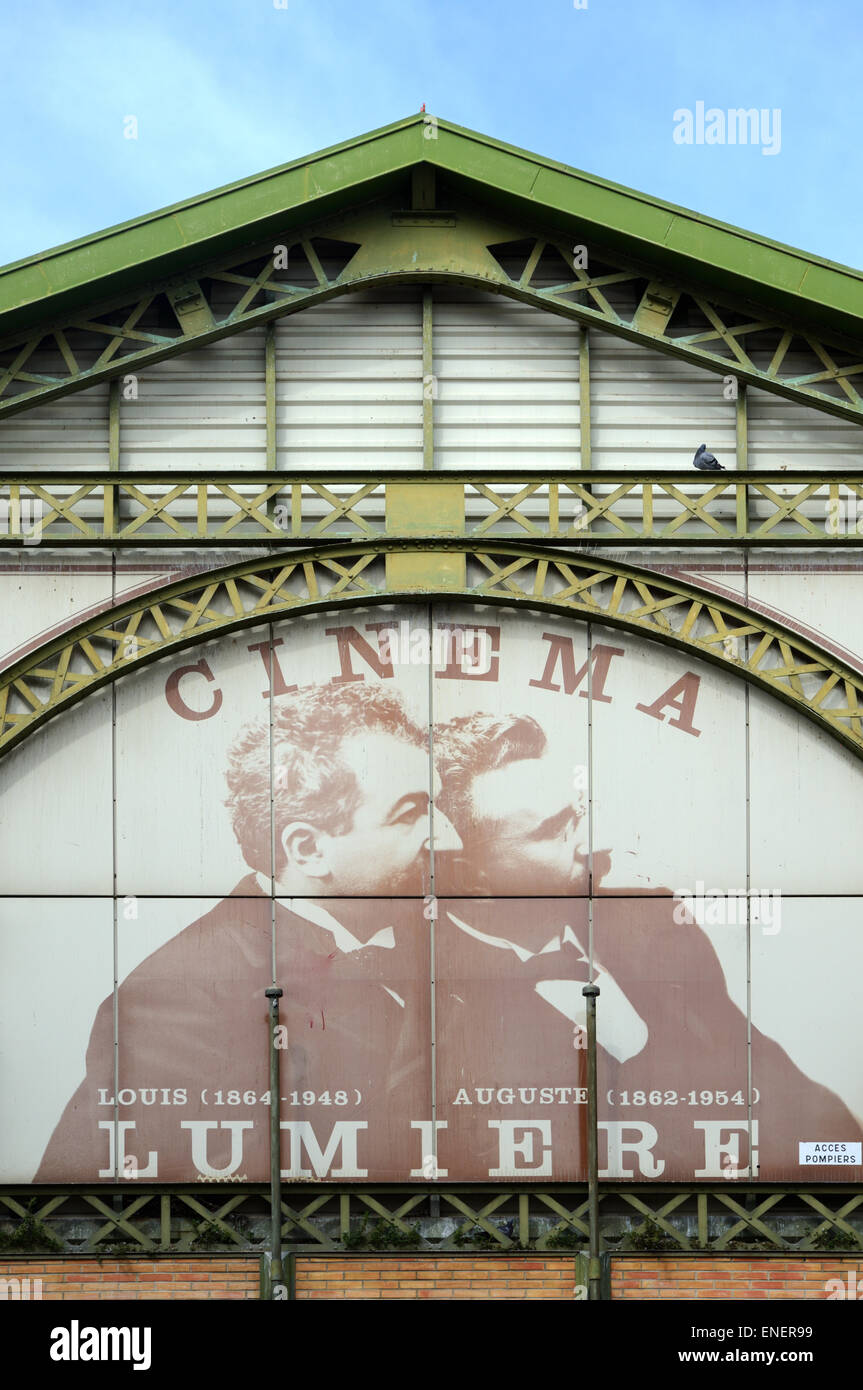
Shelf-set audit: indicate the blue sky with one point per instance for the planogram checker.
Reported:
(222, 89)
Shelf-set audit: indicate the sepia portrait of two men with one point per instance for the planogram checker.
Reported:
(428, 898)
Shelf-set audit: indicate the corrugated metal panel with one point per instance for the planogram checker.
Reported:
(667, 832)
(806, 798)
(801, 1009)
(70, 433)
(349, 383)
(39, 591)
(62, 948)
(828, 601)
(171, 707)
(56, 826)
(349, 395)
(201, 409)
(784, 434)
(649, 410)
(507, 382)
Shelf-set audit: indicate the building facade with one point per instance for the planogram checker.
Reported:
(369, 632)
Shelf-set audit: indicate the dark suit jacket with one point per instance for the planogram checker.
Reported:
(194, 1032)
(497, 1030)
(193, 1019)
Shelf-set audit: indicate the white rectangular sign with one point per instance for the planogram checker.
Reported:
(830, 1152)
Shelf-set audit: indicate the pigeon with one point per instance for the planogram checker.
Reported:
(707, 461)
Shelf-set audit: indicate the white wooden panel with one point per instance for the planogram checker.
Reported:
(787, 434)
(649, 410)
(824, 601)
(56, 813)
(67, 434)
(173, 830)
(39, 592)
(668, 805)
(806, 804)
(806, 998)
(201, 409)
(507, 382)
(58, 966)
(349, 384)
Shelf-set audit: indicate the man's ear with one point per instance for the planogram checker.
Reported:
(303, 847)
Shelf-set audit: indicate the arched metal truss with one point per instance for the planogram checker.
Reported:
(569, 275)
(751, 646)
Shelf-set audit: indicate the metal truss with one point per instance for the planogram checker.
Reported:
(602, 508)
(420, 1219)
(761, 650)
(567, 275)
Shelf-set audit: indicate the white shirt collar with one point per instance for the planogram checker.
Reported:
(344, 940)
(553, 944)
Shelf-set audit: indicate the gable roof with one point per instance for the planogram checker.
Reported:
(676, 241)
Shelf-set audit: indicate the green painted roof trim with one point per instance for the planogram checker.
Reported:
(538, 191)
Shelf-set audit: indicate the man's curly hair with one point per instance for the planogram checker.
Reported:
(311, 781)
(476, 743)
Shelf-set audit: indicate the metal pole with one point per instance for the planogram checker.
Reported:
(594, 1292)
(274, 994)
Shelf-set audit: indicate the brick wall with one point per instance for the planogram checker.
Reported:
(465, 1277)
(715, 1277)
(460, 1277)
(115, 1279)
(358, 1277)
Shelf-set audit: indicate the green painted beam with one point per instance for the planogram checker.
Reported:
(426, 247)
(664, 234)
(598, 509)
(805, 1222)
(670, 238)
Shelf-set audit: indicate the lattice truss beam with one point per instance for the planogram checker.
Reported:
(751, 646)
(499, 1220)
(607, 508)
(566, 275)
